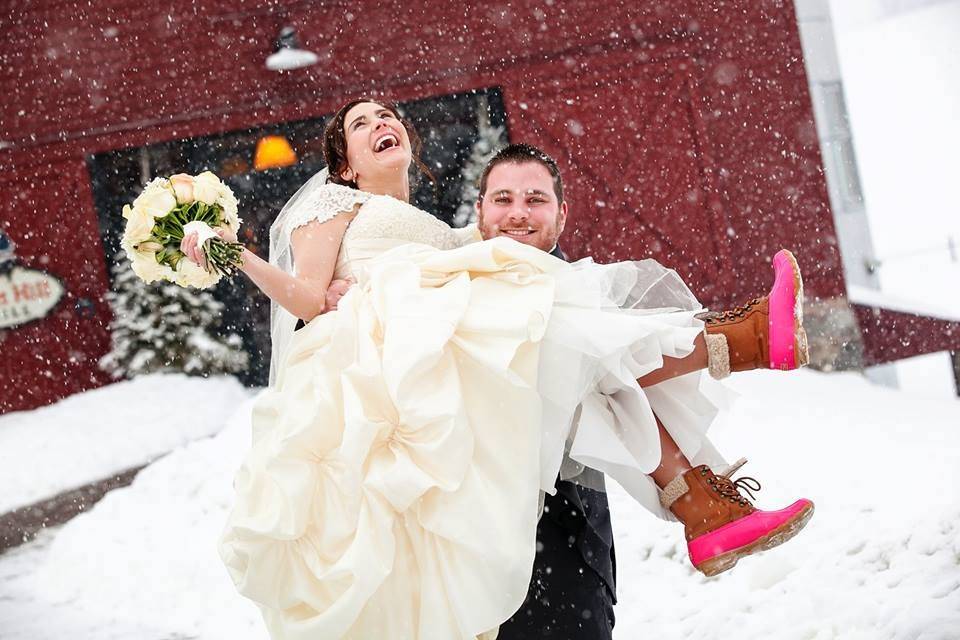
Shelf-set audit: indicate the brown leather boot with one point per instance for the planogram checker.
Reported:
(721, 525)
(765, 333)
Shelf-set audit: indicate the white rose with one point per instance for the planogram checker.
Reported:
(146, 267)
(139, 225)
(182, 184)
(206, 188)
(190, 274)
(156, 202)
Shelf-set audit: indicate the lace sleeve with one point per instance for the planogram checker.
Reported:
(324, 204)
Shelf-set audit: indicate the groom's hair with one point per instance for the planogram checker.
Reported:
(520, 153)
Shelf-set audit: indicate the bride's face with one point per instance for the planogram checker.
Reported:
(377, 143)
(520, 203)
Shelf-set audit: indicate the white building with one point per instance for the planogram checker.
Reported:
(885, 82)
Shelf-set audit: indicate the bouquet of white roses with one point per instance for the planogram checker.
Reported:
(166, 211)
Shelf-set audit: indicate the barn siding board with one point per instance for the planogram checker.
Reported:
(892, 335)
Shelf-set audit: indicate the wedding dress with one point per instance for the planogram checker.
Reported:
(392, 489)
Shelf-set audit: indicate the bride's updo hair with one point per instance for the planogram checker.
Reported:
(335, 141)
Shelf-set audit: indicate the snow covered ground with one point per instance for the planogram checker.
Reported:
(90, 436)
(880, 559)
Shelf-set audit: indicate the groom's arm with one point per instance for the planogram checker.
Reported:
(339, 288)
(336, 290)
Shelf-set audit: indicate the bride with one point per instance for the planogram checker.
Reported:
(399, 456)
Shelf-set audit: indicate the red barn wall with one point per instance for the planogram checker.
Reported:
(683, 127)
(48, 211)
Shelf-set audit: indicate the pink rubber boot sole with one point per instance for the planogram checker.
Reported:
(719, 550)
(787, 339)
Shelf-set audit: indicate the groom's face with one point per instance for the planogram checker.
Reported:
(520, 203)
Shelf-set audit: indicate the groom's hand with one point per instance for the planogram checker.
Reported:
(336, 290)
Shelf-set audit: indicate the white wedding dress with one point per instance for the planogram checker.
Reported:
(393, 486)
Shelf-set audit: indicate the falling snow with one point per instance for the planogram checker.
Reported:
(687, 131)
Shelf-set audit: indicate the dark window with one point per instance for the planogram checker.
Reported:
(448, 126)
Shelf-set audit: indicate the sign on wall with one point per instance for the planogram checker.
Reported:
(25, 294)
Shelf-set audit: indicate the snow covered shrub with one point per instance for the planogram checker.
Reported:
(490, 139)
(165, 327)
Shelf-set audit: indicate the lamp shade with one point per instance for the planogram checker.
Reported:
(288, 55)
(273, 152)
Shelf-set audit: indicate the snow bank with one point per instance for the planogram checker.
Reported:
(879, 560)
(874, 298)
(144, 560)
(89, 436)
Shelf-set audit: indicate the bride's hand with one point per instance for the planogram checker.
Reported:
(190, 248)
(226, 235)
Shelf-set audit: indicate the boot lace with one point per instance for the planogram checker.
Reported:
(729, 489)
(732, 314)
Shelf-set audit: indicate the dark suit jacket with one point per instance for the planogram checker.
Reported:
(573, 586)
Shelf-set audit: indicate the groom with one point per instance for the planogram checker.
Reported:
(573, 587)
(572, 590)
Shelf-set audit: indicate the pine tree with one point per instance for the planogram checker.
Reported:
(490, 139)
(165, 327)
